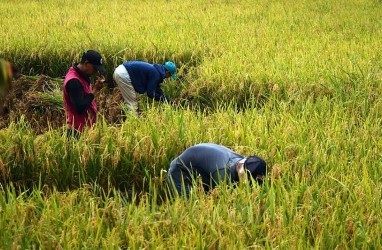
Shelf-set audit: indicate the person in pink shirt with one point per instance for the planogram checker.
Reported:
(80, 106)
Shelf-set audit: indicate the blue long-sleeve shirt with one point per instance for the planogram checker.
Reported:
(146, 77)
(213, 162)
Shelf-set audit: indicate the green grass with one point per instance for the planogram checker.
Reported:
(296, 82)
(278, 215)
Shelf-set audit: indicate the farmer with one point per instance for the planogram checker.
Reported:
(214, 163)
(141, 77)
(80, 106)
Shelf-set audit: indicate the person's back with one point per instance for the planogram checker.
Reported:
(214, 163)
(209, 157)
(141, 77)
(145, 76)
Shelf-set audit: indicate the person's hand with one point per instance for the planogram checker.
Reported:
(99, 82)
(241, 172)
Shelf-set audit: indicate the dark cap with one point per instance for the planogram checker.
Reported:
(94, 58)
(256, 166)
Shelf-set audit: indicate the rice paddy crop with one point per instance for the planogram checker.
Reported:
(296, 82)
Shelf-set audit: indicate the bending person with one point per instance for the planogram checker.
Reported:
(139, 77)
(213, 163)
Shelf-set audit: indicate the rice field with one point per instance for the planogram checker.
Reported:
(296, 82)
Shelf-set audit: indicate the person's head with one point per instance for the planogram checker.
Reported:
(170, 69)
(91, 63)
(252, 167)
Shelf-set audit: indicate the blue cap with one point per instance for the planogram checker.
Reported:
(171, 67)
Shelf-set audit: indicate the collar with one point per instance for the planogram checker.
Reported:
(242, 160)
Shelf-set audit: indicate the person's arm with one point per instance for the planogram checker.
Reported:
(153, 88)
(160, 96)
(179, 178)
(152, 85)
(80, 100)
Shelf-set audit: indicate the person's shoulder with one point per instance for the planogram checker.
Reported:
(73, 84)
(207, 144)
(74, 80)
(138, 64)
(201, 146)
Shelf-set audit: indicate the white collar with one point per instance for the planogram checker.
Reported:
(242, 160)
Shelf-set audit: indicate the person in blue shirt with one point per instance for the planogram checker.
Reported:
(213, 163)
(141, 77)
